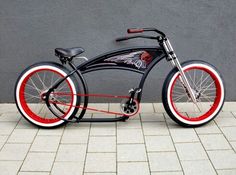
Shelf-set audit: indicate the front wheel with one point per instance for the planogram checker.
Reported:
(207, 86)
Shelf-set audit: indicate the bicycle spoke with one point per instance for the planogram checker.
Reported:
(39, 91)
(41, 81)
(32, 87)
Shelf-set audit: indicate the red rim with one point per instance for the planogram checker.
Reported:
(215, 103)
(27, 109)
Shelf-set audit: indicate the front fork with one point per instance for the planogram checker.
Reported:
(175, 62)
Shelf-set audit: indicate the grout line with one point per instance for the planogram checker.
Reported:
(154, 108)
(59, 144)
(86, 151)
(28, 150)
(205, 151)
(175, 147)
(225, 137)
(8, 137)
(148, 161)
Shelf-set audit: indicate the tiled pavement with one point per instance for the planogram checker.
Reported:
(150, 143)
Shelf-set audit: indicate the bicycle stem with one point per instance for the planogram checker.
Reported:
(175, 62)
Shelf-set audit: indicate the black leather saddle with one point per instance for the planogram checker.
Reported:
(68, 52)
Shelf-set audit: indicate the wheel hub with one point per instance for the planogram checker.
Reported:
(43, 96)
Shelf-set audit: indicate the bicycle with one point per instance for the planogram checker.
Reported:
(48, 94)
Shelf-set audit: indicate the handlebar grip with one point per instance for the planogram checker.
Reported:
(135, 30)
(121, 39)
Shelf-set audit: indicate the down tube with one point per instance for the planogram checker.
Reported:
(145, 76)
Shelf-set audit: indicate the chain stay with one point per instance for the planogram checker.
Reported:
(94, 109)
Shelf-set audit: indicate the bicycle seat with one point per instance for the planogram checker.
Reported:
(68, 52)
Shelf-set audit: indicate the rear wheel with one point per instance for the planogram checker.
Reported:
(29, 94)
(208, 88)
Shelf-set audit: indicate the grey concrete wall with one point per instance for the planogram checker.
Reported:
(30, 30)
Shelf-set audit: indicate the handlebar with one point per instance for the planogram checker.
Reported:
(135, 36)
(141, 30)
(135, 30)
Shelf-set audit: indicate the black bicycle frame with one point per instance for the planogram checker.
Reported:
(99, 63)
(94, 64)
(123, 59)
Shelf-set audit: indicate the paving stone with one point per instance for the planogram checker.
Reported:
(170, 123)
(209, 128)
(190, 151)
(130, 124)
(198, 167)
(102, 129)
(8, 108)
(99, 174)
(38, 162)
(233, 145)
(114, 107)
(152, 117)
(102, 144)
(22, 136)
(103, 115)
(146, 107)
(225, 121)
(62, 168)
(164, 161)
(7, 127)
(75, 136)
(51, 132)
(24, 124)
(130, 136)
(45, 144)
(82, 125)
(1, 145)
(3, 140)
(131, 152)
(10, 117)
(159, 143)
(137, 168)
(223, 159)
(234, 114)
(33, 173)
(155, 128)
(70, 153)
(158, 107)
(184, 135)
(78, 126)
(226, 172)
(229, 106)
(100, 162)
(9, 167)
(214, 142)
(167, 173)
(100, 106)
(14, 151)
(225, 114)
(229, 132)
